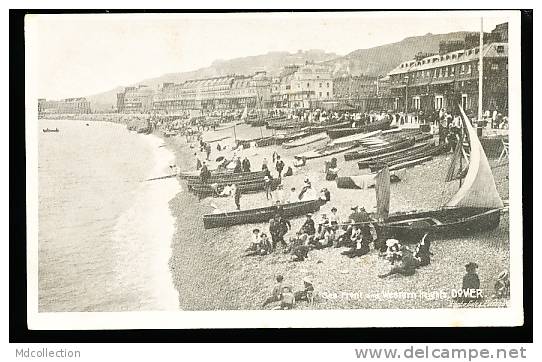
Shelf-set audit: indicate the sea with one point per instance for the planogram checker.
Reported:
(104, 232)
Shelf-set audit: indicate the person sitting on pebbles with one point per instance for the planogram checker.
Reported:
(308, 291)
(393, 252)
(361, 246)
(254, 247)
(422, 253)
(276, 294)
(470, 287)
(407, 266)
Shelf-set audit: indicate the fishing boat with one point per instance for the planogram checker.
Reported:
(244, 187)
(347, 131)
(305, 140)
(262, 214)
(325, 151)
(46, 130)
(323, 128)
(367, 161)
(280, 138)
(399, 144)
(402, 158)
(358, 137)
(222, 176)
(475, 207)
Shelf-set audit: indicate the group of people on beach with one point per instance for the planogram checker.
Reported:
(283, 292)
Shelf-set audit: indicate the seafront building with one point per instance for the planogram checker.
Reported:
(431, 82)
(78, 105)
(135, 99)
(214, 94)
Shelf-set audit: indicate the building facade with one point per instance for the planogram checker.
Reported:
(214, 94)
(302, 86)
(445, 80)
(135, 99)
(78, 105)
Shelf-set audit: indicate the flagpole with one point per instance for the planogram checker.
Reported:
(480, 70)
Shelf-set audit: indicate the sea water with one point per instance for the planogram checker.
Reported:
(104, 232)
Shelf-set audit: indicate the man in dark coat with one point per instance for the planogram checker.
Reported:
(279, 166)
(246, 165)
(278, 227)
(308, 226)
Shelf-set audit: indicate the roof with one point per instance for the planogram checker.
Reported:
(455, 57)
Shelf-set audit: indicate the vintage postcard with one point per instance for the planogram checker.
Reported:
(235, 170)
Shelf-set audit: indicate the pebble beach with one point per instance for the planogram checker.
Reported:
(210, 272)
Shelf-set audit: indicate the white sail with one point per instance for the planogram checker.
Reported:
(478, 189)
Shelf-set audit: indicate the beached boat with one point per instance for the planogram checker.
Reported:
(323, 128)
(402, 158)
(358, 137)
(347, 131)
(325, 151)
(262, 214)
(388, 156)
(245, 187)
(259, 142)
(305, 140)
(222, 176)
(280, 138)
(396, 145)
(475, 207)
(218, 139)
(46, 130)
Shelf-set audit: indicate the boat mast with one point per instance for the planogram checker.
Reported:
(480, 70)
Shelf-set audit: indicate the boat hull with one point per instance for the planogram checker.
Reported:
(441, 224)
(263, 214)
(343, 132)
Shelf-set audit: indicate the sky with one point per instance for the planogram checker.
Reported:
(80, 55)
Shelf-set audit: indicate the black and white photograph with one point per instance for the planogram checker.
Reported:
(274, 169)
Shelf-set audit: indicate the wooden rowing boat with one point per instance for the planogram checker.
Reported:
(305, 140)
(399, 144)
(358, 137)
(347, 131)
(245, 187)
(325, 151)
(262, 214)
(366, 161)
(401, 158)
(226, 176)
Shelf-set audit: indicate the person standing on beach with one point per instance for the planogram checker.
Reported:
(264, 165)
(245, 165)
(237, 197)
(279, 166)
(278, 227)
(268, 191)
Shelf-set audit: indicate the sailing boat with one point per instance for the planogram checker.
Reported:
(475, 207)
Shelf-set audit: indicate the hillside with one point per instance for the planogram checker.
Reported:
(372, 61)
(382, 59)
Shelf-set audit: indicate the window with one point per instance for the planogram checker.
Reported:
(327, 85)
(500, 49)
(452, 71)
(308, 85)
(438, 102)
(428, 74)
(462, 69)
(494, 66)
(320, 85)
(469, 69)
(319, 94)
(440, 73)
(464, 101)
(416, 102)
(446, 72)
(327, 94)
(435, 73)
